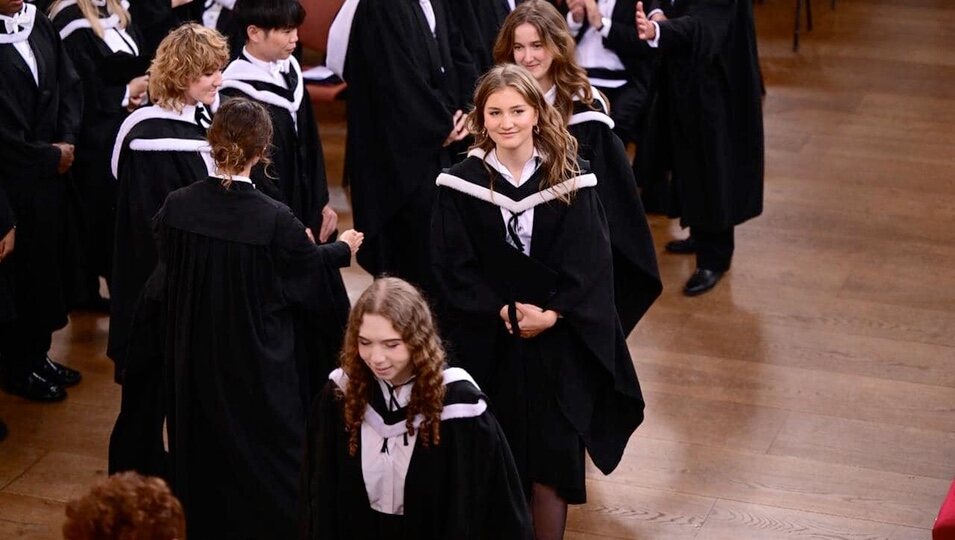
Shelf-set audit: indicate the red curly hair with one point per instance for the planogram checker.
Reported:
(403, 305)
(126, 506)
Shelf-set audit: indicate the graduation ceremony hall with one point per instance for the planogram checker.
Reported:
(810, 394)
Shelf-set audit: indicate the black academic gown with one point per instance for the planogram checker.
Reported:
(156, 152)
(105, 75)
(465, 488)
(400, 109)
(479, 22)
(636, 277)
(45, 265)
(582, 363)
(233, 264)
(711, 86)
(296, 177)
(156, 18)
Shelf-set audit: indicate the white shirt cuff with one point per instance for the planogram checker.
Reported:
(605, 31)
(125, 102)
(573, 25)
(655, 42)
(228, 4)
(650, 15)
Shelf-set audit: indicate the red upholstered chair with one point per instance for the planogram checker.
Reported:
(944, 528)
(313, 34)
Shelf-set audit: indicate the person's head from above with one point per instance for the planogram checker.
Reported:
(10, 7)
(271, 27)
(535, 36)
(391, 336)
(126, 506)
(90, 10)
(240, 136)
(512, 117)
(187, 68)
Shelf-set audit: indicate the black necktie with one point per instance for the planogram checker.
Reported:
(203, 117)
(512, 229)
(291, 78)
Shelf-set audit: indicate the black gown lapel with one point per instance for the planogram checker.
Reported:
(431, 43)
(10, 56)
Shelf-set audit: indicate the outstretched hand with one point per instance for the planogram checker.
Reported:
(645, 28)
(353, 238)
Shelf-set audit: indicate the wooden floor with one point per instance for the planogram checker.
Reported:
(810, 395)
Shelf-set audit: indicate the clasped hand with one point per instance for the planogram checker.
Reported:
(531, 320)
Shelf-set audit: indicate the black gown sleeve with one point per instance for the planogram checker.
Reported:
(320, 469)
(506, 514)
(307, 266)
(102, 96)
(455, 263)
(701, 30)
(70, 115)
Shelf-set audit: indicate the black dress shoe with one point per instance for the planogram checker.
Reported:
(681, 246)
(3, 430)
(701, 281)
(58, 373)
(34, 387)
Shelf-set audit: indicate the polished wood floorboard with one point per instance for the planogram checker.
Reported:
(810, 395)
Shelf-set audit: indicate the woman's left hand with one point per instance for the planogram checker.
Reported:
(534, 320)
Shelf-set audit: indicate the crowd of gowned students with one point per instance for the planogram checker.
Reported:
(498, 210)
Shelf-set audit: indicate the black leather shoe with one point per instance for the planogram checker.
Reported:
(701, 281)
(34, 387)
(3, 430)
(58, 373)
(682, 247)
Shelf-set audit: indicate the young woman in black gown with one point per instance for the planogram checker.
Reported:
(402, 447)
(523, 263)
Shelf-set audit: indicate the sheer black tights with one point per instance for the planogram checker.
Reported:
(549, 512)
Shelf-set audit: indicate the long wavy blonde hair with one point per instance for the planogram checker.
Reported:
(91, 13)
(569, 78)
(401, 304)
(552, 140)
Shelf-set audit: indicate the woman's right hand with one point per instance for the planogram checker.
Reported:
(353, 238)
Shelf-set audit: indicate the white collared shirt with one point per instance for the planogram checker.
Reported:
(524, 227)
(591, 52)
(385, 460)
(274, 69)
(23, 47)
(235, 178)
(428, 10)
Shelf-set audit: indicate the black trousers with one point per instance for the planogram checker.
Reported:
(23, 347)
(714, 248)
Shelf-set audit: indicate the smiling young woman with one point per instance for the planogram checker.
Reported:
(523, 265)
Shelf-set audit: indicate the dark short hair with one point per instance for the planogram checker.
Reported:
(269, 14)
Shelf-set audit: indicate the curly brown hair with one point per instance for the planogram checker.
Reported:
(569, 78)
(551, 138)
(403, 305)
(186, 54)
(126, 506)
(241, 131)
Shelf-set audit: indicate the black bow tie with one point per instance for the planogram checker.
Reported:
(203, 117)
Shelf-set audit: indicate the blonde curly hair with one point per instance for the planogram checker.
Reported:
(403, 305)
(187, 53)
(126, 506)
